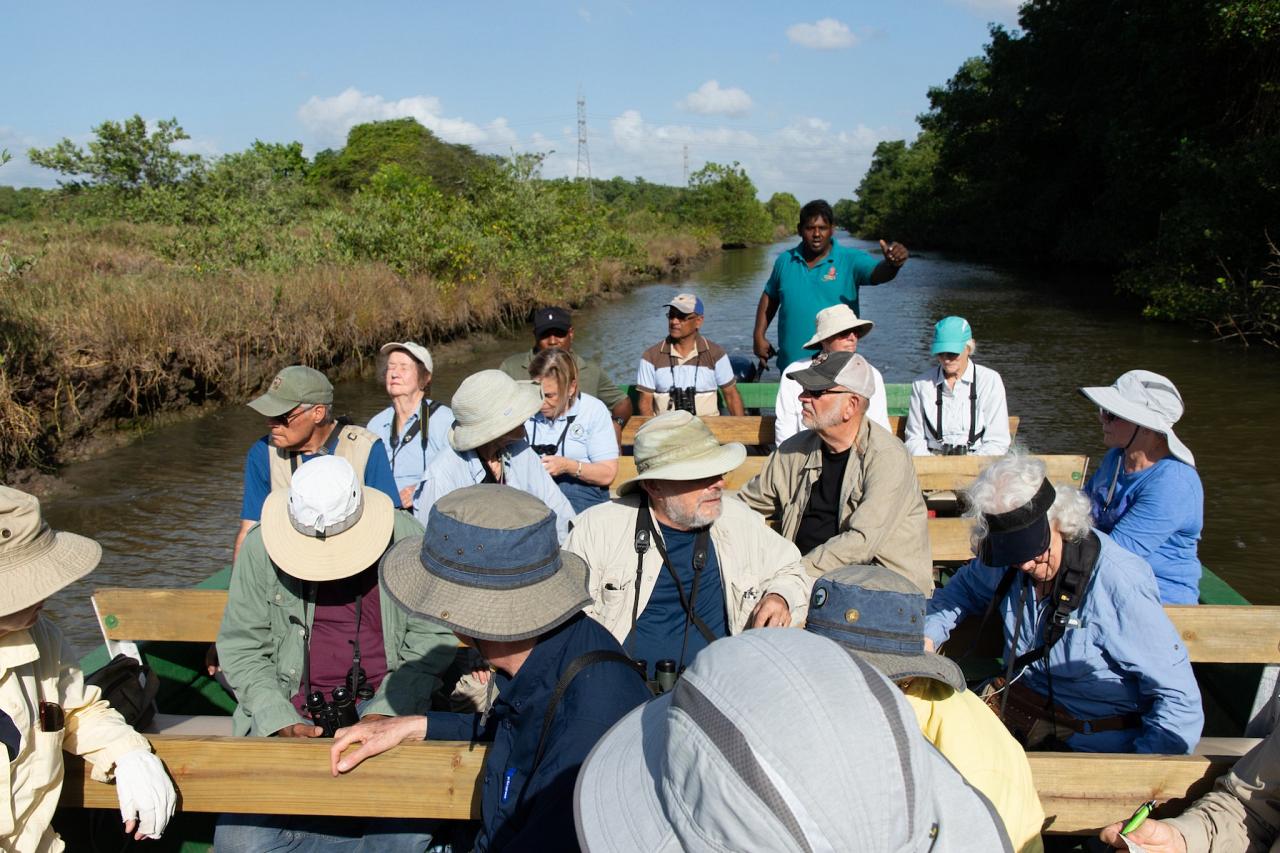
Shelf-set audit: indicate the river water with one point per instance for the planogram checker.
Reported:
(166, 507)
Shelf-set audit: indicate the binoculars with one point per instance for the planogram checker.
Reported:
(664, 675)
(544, 449)
(336, 714)
(954, 450)
(682, 399)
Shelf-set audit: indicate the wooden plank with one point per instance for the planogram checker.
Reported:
(1080, 793)
(759, 429)
(953, 473)
(262, 775)
(949, 540)
(1228, 634)
(192, 615)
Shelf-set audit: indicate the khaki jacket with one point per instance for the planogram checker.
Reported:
(883, 519)
(1242, 812)
(754, 561)
(354, 444)
(38, 665)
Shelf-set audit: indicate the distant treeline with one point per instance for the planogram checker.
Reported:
(154, 278)
(1134, 137)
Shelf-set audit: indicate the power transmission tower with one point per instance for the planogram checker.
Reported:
(584, 156)
(686, 165)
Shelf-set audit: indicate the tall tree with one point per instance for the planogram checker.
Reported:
(123, 156)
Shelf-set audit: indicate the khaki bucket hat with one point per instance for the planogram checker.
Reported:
(488, 405)
(35, 560)
(327, 525)
(489, 566)
(679, 446)
(833, 321)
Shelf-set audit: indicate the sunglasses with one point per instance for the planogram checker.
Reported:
(673, 314)
(288, 417)
(1107, 417)
(817, 394)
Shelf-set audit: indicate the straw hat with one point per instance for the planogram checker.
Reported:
(679, 446)
(417, 352)
(35, 560)
(327, 525)
(1148, 400)
(833, 321)
(488, 405)
(489, 566)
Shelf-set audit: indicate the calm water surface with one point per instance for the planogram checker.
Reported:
(166, 507)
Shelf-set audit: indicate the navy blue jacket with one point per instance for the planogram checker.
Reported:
(522, 813)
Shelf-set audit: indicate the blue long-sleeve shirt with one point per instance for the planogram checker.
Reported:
(1156, 513)
(1124, 657)
(529, 814)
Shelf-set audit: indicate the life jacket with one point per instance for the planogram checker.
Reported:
(354, 444)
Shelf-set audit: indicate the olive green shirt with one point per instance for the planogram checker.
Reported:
(591, 377)
(261, 650)
(882, 513)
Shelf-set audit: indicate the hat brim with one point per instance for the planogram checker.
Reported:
(486, 614)
(348, 553)
(724, 459)
(923, 665)
(463, 437)
(1109, 398)
(816, 341)
(66, 561)
(615, 801)
(1014, 547)
(271, 406)
(811, 380)
(956, 345)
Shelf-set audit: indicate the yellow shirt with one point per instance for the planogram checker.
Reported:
(972, 738)
(38, 665)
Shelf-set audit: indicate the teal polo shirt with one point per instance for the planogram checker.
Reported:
(803, 292)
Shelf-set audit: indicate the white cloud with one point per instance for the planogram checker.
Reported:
(826, 34)
(330, 118)
(710, 99)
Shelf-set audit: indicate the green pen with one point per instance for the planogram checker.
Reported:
(1144, 811)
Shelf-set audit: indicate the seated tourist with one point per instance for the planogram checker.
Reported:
(707, 568)
(844, 490)
(305, 614)
(957, 408)
(879, 616)
(487, 444)
(572, 432)
(685, 370)
(1240, 815)
(45, 707)
(838, 330)
(1146, 493)
(1093, 662)
(413, 427)
(778, 740)
(489, 569)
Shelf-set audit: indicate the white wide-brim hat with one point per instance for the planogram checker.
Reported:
(35, 560)
(833, 321)
(1148, 400)
(488, 405)
(679, 446)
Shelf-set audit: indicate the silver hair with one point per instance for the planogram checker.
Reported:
(971, 345)
(1012, 481)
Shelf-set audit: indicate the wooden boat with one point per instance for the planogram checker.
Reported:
(1230, 649)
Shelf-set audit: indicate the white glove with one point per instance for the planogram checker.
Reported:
(145, 792)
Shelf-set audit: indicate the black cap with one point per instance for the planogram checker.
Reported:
(552, 317)
(1020, 534)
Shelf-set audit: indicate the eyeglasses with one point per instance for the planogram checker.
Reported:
(673, 314)
(817, 394)
(288, 417)
(1107, 417)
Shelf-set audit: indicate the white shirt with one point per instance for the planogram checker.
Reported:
(787, 406)
(992, 414)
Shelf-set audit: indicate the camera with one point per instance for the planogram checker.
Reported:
(682, 399)
(336, 714)
(954, 450)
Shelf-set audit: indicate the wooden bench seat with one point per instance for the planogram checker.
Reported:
(758, 429)
(1080, 793)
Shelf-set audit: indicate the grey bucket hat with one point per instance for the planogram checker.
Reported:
(879, 615)
(678, 446)
(778, 740)
(489, 566)
(488, 405)
(1148, 400)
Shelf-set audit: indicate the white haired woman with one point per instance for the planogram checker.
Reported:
(413, 427)
(958, 407)
(1092, 662)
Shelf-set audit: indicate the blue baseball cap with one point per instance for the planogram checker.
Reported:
(951, 334)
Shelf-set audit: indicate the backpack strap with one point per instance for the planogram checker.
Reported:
(571, 671)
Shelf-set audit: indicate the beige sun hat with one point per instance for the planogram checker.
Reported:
(833, 321)
(35, 560)
(678, 446)
(488, 405)
(489, 566)
(327, 525)
(417, 352)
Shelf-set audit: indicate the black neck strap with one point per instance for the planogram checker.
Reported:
(974, 435)
(644, 536)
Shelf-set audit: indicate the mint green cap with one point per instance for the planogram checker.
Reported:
(293, 386)
(951, 334)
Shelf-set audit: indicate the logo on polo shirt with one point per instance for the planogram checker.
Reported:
(577, 431)
(831, 274)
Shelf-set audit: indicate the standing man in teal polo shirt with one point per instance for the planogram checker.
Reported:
(814, 275)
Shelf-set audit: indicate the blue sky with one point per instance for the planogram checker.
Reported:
(799, 98)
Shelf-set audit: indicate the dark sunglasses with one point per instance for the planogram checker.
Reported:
(1106, 416)
(673, 314)
(816, 394)
(288, 417)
